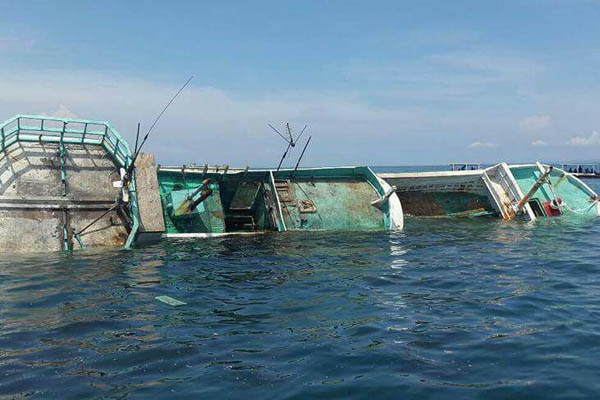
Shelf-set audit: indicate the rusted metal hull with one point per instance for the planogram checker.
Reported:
(508, 191)
(441, 193)
(59, 185)
(39, 212)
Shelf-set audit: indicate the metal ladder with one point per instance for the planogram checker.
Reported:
(284, 192)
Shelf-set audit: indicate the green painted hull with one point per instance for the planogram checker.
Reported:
(265, 200)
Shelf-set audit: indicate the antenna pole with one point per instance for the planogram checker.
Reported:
(279, 133)
(290, 141)
(301, 132)
(283, 157)
(301, 155)
(289, 131)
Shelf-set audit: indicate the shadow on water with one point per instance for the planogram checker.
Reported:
(449, 308)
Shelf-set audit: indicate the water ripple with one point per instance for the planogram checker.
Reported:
(450, 309)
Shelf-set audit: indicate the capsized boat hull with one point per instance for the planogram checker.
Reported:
(441, 193)
(496, 190)
(524, 191)
(266, 200)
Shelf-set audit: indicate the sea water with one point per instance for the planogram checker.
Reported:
(447, 309)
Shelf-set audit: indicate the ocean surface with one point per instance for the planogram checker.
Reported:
(447, 309)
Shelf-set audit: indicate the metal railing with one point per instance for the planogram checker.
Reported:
(37, 128)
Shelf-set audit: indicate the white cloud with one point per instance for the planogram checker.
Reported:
(535, 122)
(539, 143)
(482, 145)
(451, 76)
(592, 140)
(491, 64)
(62, 112)
(207, 124)
(17, 41)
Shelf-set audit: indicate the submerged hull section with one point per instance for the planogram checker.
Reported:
(32, 206)
(442, 193)
(532, 191)
(242, 201)
(508, 191)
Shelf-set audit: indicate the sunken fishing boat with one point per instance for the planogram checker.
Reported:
(510, 192)
(205, 201)
(69, 184)
(531, 191)
(212, 201)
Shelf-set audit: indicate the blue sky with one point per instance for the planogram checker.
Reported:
(378, 82)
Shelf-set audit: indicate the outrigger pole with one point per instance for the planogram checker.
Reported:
(301, 155)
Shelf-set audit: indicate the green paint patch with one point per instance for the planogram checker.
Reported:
(334, 204)
(310, 199)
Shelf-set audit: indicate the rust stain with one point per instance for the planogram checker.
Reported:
(420, 204)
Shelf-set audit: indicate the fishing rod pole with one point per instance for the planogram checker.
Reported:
(127, 176)
(113, 207)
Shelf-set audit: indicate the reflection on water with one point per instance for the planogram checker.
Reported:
(446, 309)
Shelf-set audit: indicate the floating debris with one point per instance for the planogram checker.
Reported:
(170, 301)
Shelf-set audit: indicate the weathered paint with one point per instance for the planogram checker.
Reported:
(59, 173)
(508, 187)
(439, 204)
(505, 192)
(174, 187)
(259, 200)
(441, 193)
(152, 224)
(332, 204)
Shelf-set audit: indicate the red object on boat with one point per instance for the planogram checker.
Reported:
(552, 208)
